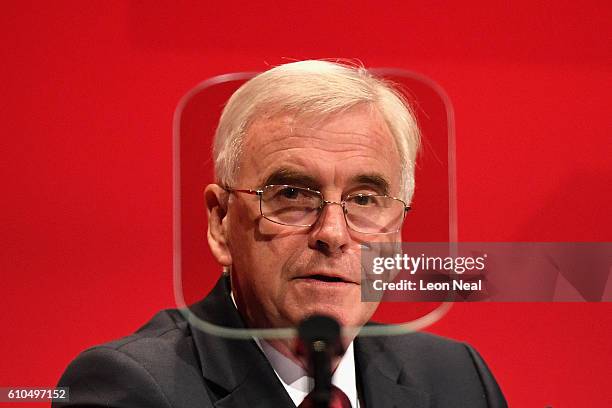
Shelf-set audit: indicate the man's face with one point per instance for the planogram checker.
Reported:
(282, 274)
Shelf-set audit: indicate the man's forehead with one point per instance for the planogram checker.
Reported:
(358, 125)
(286, 147)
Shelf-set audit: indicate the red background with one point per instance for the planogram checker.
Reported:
(88, 93)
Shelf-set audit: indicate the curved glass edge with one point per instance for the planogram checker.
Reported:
(290, 332)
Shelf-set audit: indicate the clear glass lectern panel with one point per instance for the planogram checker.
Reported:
(432, 217)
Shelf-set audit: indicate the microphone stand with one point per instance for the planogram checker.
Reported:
(320, 342)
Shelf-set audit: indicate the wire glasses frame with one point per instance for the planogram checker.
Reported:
(301, 207)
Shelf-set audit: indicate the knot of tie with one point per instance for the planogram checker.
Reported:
(338, 399)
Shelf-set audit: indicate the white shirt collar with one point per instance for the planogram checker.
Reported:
(295, 380)
(298, 384)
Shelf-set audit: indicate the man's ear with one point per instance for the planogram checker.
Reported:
(216, 199)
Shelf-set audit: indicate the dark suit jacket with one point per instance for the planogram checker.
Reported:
(167, 363)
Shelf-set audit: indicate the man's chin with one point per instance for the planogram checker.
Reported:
(346, 316)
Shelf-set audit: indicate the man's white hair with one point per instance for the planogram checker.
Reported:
(313, 88)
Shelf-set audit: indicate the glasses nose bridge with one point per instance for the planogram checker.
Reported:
(325, 203)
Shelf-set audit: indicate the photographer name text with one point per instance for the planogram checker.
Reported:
(423, 285)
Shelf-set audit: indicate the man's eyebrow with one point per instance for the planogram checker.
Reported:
(292, 177)
(372, 179)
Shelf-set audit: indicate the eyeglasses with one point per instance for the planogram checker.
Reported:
(301, 207)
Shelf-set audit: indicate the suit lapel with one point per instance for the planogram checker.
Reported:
(383, 383)
(242, 375)
(258, 391)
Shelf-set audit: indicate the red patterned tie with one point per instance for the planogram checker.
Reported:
(338, 400)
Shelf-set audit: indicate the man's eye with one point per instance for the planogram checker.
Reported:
(363, 200)
(289, 193)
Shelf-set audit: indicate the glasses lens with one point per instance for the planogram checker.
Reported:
(290, 205)
(374, 214)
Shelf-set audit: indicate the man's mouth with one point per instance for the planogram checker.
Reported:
(325, 278)
(329, 278)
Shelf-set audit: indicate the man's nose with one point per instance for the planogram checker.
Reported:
(330, 233)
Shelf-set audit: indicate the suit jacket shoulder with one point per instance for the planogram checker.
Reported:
(437, 371)
(136, 371)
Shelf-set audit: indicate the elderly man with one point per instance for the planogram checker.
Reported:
(312, 160)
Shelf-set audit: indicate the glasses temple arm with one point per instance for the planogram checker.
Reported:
(237, 190)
